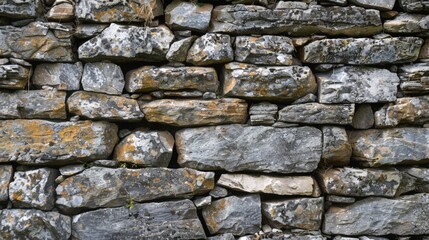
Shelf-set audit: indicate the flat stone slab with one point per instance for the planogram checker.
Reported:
(211, 48)
(316, 113)
(414, 78)
(103, 77)
(14, 76)
(182, 15)
(20, 9)
(62, 76)
(407, 110)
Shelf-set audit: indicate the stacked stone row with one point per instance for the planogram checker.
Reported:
(134, 119)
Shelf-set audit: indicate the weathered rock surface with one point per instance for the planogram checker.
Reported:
(376, 4)
(336, 147)
(316, 113)
(313, 19)
(103, 106)
(237, 148)
(14, 76)
(263, 113)
(287, 185)
(49, 42)
(34, 189)
(62, 76)
(414, 5)
(377, 147)
(118, 10)
(20, 9)
(363, 117)
(236, 215)
(424, 51)
(151, 78)
(6, 173)
(420, 176)
(70, 170)
(59, 143)
(363, 51)
(265, 50)
(410, 110)
(304, 213)
(89, 30)
(103, 77)
(211, 48)
(268, 83)
(163, 220)
(340, 199)
(181, 15)
(407, 23)
(179, 49)
(128, 43)
(357, 85)
(33, 224)
(414, 78)
(146, 148)
(119, 186)
(403, 216)
(49, 104)
(195, 112)
(61, 11)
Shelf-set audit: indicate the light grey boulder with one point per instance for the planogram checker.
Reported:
(62, 76)
(182, 15)
(19, 9)
(103, 77)
(414, 5)
(179, 49)
(211, 48)
(317, 113)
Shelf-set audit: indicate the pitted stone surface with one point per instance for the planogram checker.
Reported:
(211, 48)
(410, 110)
(182, 15)
(14, 76)
(20, 9)
(103, 77)
(62, 76)
(316, 113)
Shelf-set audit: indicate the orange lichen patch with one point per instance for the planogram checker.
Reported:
(107, 15)
(69, 133)
(135, 173)
(18, 195)
(156, 180)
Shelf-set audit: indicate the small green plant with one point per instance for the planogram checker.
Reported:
(123, 165)
(130, 204)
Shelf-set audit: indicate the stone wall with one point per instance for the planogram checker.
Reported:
(226, 119)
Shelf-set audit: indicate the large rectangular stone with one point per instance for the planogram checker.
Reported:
(13, 76)
(414, 78)
(20, 9)
(316, 113)
(407, 110)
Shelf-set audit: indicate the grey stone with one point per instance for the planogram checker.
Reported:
(20, 9)
(304, 213)
(364, 117)
(377, 147)
(414, 5)
(265, 50)
(179, 49)
(267, 83)
(209, 95)
(225, 236)
(119, 186)
(36, 142)
(424, 52)
(414, 78)
(71, 170)
(305, 235)
(211, 48)
(238, 215)
(181, 94)
(50, 42)
(62, 76)
(263, 108)
(237, 148)
(266, 120)
(163, 220)
(340, 199)
(363, 51)
(409, 110)
(89, 30)
(407, 23)
(34, 189)
(251, 19)
(33, 224)
(103, 77)
(128, 43)
(357, 85)
(14, 76)
(105, 163)
(336, 147)
(219, 192)
(201, 202)
(151, 78)
(6, 173)
(376, 4)
(406, 215)
(145, 148)
(306, 99)
(48, 104)
(420, 176)
(102, 106)
(316, 113)
(181, 15)
(61, 11)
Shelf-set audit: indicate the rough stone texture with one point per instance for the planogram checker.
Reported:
(13, 76)
(336, 147)
(181, 15)
(20, 9)
(414, 5)
(304, 213)
(71, 170)
(179, 49)
(103, 77)
(236, 215)
(6, 173)
(287, 185)
(424, 51)
(238, 148)
(410, 110)
(420, 176)
(360, 182)
(357, 85)
(315, 19)
(33, 224)
(34, 189)
(146, 148)
(340, 199)
(45, 142)
(61, 11)
(89, 30)
(211, 48)
(164, 220)
(414, 78)
(195, 112)
(377, 147)
(48, 104)
(407, 23)
(102, 106)
(376, 4)
(364, 117)
(267, 83)
(49, 42)
(118, 10)
(364, 51)
(119, 186)
(128, 43)
(62, 76)
(406, 215)
(151, 78)
(265, 50)
(316, 113)
(263, 113)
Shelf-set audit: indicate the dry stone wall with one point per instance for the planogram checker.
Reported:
(220, 120)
